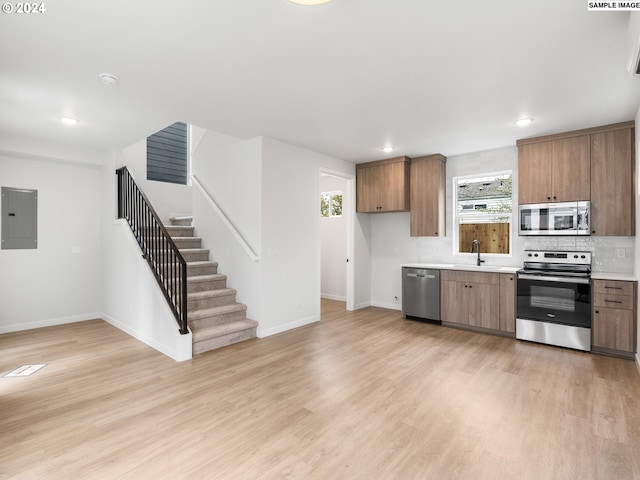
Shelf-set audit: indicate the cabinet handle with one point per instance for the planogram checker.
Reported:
(597, 311)
(613, 301)
(614, 288)
(593, 231)
(554, 197)
(548, 198)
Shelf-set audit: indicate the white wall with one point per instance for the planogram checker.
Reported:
(167, 199)
(60, 281)
(290, 234)
(131, 299)
(230, 170)
(333, 241)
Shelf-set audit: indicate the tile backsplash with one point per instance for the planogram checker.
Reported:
(609, 254)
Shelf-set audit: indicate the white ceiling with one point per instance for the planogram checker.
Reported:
(343, 78)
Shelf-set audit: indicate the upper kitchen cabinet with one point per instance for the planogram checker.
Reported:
(428, 184)
(553, 169)
(383, 186)
(612, 182)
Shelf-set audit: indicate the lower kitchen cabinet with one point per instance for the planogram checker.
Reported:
(613, 326)
(475, 300)
(508, 303)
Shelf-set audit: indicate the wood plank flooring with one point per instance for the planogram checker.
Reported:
(359, 395)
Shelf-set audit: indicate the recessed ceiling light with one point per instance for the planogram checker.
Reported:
(388, 148)
(108, 79)
(310, 2)
(523, 122)
(69, 120)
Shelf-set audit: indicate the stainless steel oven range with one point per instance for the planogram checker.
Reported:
(554, 299)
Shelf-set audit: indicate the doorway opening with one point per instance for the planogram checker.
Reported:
(336, 215)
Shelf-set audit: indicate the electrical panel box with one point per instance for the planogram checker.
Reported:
(19, 218)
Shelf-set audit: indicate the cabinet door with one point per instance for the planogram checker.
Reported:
(612, 189)
(393, 191)
(507, 303)
(534, 172)
(454, 306)
(613, 328)
(366, 190)
(483, 305)
(571, 169)
(427, 188)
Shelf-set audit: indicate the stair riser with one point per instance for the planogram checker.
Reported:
(204, 270)
(183, 222)
(208, 285)
(180, 231)
(193, 242)
(223, 341)
(195, 256)
(218, 301)
(217, 320)
(181, 242)
(198, 271)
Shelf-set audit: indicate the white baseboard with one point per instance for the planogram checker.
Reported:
(638, 361)
(333, 297)
(361, 305)
(390, 306)
(18, 327)
(288, 326)
(180, 352)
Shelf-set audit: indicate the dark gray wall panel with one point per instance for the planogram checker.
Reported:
(167, 154)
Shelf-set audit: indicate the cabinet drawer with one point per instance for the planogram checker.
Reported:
(470, 277)
(624, 302)
(613, 287)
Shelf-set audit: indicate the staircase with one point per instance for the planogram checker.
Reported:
(215, 318)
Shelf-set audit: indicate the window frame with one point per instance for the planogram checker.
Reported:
(331, 194)
(456, 225)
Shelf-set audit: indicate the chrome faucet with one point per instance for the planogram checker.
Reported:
(477, 242)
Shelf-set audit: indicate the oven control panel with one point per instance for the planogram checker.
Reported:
(575, 258)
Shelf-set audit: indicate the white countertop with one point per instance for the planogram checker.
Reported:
(468, 267)
(627, 277)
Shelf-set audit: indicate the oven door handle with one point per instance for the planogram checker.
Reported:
(580, 280)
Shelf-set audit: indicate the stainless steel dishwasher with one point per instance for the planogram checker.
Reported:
(421, 294)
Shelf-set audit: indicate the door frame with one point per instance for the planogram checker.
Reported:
(349, 215)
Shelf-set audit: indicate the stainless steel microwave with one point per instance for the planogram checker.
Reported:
(564, 218)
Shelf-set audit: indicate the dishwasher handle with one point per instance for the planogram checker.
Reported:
(419, 275)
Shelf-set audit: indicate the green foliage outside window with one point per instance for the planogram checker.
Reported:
(331, 204)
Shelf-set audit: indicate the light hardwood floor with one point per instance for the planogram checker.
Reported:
(359, 395)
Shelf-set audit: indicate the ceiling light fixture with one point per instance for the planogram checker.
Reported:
(309, 2)
(523, 122)
(388, 148)
(108, 79)
(69, 120)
